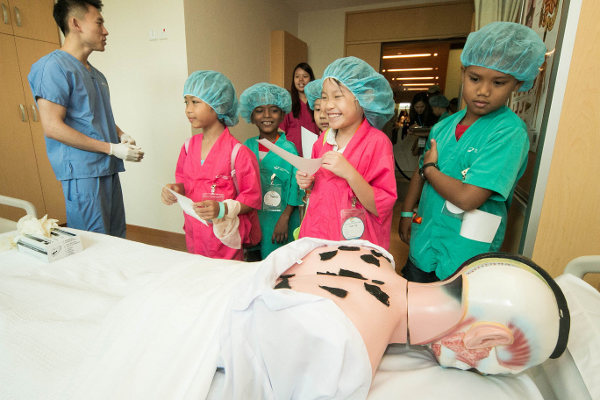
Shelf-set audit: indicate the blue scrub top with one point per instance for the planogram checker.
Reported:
(492, 154)
(62, 79)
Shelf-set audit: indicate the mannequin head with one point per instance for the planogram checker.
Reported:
(514, 317)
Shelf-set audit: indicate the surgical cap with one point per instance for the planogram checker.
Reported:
(263, 94)
(510, 48)
(370, 88)
(217, 91)
(313, 92)
(439, 101)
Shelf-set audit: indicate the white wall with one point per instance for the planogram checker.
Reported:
(324, 31)
(233, 37)
(146, 79)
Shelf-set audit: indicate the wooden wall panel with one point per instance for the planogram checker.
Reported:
(410, 23)
(570, 219)
(287, 51)
(369, 52)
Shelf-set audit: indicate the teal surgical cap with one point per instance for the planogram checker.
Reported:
(510, 48)
(370, 88)
(313, 92)
(263, 94)
(217, 91)
(439, 101)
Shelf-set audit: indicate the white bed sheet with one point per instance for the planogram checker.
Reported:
(127, 313)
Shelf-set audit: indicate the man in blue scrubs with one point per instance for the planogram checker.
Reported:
(85, 147)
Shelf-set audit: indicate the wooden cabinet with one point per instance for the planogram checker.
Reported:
(27, 32)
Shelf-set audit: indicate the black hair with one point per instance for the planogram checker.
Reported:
(425, 119)
(295, 96)
(63, 8)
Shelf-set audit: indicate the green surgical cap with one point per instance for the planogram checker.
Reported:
(510, 48)
(263, 94)
(313, 92)
(370, 88)
(217, 91)
(439, 101)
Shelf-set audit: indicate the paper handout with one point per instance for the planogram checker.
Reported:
(308, 139)
(187, 205)
(308, 165)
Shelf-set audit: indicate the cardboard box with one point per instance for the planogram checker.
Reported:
(59, 245)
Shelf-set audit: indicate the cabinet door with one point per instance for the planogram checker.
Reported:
(29, 51)
(18, 167)
(5, 17)
(33, 19)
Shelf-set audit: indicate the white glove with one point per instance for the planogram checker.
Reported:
(125, 138)
(126, 152)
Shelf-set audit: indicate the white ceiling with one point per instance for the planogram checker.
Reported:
(316, 5)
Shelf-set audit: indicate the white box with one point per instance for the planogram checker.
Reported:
(61, 244)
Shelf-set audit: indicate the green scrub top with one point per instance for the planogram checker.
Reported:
(492, 154)
(445, 115)
(285, 175)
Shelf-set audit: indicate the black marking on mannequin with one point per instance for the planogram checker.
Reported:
(284, 284)
(349, 248)
(351, 274)
(377, 282)
(288, 276)
(326, 273)
(327, 255)
(378, 294)
(378, 254)
(370, 259)
(335, 291)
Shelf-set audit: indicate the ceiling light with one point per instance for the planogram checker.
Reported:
(435, 54)
(409, 55)
(409, 69)
(416, 88)
(418, 84)
(414, 78)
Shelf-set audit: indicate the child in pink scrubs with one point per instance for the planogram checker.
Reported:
(313, 96)
(204, 172)
(354, 191)
(300, 116)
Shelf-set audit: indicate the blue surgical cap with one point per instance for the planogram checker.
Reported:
(263, 94)
(510, 48)
(370, 88)
(439, 101)
(217, 91)
(313, 92)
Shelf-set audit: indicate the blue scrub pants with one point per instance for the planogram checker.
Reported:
(95, 204)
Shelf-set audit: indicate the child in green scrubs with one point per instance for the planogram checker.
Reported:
(265, 105)
(474, 157)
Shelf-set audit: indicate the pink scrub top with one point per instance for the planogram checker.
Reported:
(292, 126)
(370, 152)
(198, 179)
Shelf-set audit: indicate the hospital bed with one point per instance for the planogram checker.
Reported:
(124, 320)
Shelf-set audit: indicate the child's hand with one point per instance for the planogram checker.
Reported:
(304, 180)
(169, 198)
(207, 209)
(337, 163)
(431, 156)
(404, 229)
(280, 233)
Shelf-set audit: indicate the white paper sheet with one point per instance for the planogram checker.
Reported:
(187, 205)
(308, 165)
(479, 225)
(308, 139)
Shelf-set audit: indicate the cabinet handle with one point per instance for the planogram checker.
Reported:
(5, 13)
(23, 115)
(35, 117)
(18, 16)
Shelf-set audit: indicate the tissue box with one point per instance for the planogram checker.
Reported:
(59, 245)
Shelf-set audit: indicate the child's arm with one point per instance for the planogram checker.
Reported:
(280, 233)
(463, 195)
(209, 209)
(415, 187)
(337, 163)
(169, 198)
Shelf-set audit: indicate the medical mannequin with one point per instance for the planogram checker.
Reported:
(497, 316)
